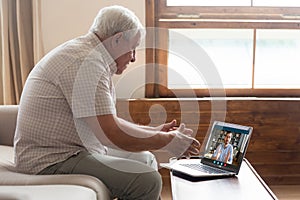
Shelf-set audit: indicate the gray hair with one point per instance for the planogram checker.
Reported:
(114, 19)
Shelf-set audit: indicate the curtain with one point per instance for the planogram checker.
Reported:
(21, 46)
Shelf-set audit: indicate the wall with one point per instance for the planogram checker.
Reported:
(63, 20)
(274, 149)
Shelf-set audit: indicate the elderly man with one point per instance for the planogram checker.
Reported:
(67, 122)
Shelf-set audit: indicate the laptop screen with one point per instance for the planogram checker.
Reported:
(227, 145)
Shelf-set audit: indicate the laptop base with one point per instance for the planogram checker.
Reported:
(197, 179)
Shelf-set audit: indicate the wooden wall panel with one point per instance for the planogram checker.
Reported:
(274, 149)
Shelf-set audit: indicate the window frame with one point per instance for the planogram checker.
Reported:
(159, 15)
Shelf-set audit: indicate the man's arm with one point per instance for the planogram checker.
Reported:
(118, 133)
(216, 155)
(229, 155)
(129, 136)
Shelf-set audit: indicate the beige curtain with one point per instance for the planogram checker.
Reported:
(21, 46)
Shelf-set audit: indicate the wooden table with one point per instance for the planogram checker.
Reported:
(247, 185)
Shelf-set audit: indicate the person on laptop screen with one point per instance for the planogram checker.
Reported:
(224, 151)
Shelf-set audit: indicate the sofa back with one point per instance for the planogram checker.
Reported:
(8, 118)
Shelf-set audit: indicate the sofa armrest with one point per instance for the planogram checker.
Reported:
(8, 118)
(46, 192)
(16, 179)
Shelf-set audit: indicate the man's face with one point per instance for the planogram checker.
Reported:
(227, 138)
(126, 50)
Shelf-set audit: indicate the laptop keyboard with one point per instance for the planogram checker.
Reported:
(204, 168)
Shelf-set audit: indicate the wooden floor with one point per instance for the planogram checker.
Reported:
(283, 192)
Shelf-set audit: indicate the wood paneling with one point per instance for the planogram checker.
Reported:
(274, 149)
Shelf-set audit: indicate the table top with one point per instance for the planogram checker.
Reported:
(246, 185)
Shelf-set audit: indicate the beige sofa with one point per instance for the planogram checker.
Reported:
(36, 187)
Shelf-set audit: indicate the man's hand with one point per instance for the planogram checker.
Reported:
(168, 126)
(194, 148)
(183, 144)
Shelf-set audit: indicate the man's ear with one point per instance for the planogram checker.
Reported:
(116, 39)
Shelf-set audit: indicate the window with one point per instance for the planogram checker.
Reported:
(267, 3)
(208, 3)
(244, 47)
(277, 59)
(229, 49)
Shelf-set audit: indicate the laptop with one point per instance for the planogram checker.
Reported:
(224, 152)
